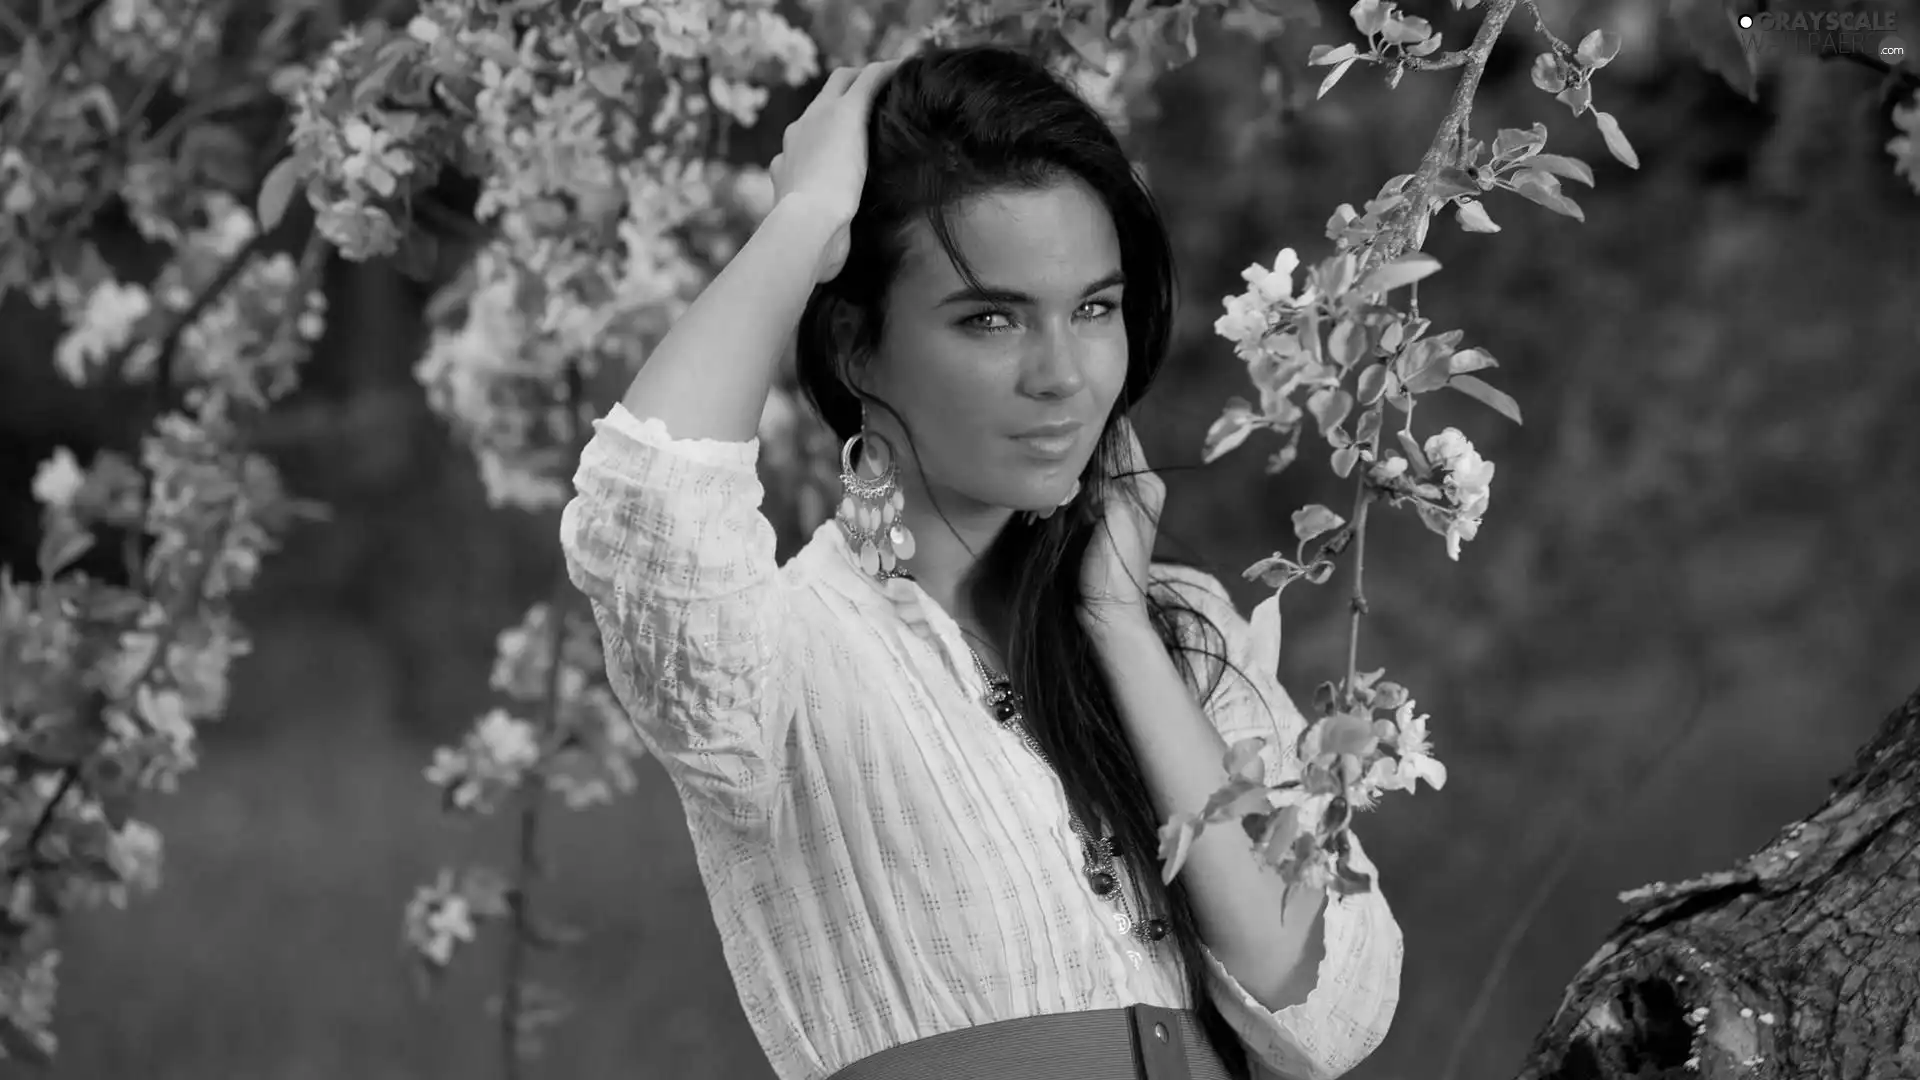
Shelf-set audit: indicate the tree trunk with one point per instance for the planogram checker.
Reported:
(1801, 964)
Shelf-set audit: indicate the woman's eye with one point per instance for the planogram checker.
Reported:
(1098, 309)
(983, 321)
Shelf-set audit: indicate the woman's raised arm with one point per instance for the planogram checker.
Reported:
(709, 377)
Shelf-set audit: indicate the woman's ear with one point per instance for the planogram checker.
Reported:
(847, 329)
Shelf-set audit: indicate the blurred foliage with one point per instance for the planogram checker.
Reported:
(1696, 593)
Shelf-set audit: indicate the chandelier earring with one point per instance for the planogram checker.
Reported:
(870, 505)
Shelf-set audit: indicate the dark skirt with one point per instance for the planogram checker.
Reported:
(1143, 1042)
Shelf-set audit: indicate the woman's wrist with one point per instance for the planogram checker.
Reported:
(1118, 628)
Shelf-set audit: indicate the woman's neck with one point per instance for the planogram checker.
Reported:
(948, 544)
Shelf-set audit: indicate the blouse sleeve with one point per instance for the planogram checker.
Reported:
(666, 539)
(1357, 988)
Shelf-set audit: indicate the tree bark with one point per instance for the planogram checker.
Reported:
(1802, 963)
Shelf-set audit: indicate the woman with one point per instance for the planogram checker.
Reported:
(924, 761)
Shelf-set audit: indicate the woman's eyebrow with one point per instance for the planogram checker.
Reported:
(995, 295)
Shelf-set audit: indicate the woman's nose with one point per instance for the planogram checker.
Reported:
(1054, 369)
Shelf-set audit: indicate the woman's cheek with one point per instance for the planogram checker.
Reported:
(1109, 370)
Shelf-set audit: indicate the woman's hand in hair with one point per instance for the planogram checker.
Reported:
(1113, 576)
(823, 158)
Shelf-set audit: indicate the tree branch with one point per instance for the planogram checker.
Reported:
(1540, 24)
(1409, 226)
(1362, 499)
(169, 336)
(1443, 62)
(520, 926)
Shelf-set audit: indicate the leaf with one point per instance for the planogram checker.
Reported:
(1335, 273)
(276, 191)
(1549, 73)
(1176, 839)
(1544, 188)
(1347, 344)
(1330, 406)
(1561, 165)
(1274, 830)
(1473, 217)
(64, 541)
(1404, 30)
(494, 45)
(1333, 76)
(1616, 139)
(1598, 48)
(1453, 182)
(1373, 383)
(1576, 98)
(1497, 400)
(1368, 427)
(1234, 426)
(1512, 144)
(1315, 520)
(1708, 27)
(1276, 572)
(1393, 335)
(1400, 272)
(1241, 796)
(1243, 759)
(1344, 459)
(1325, 696)
(609, 79)
(1467, 360)
(1331, 54)
(1423, 366)
(1425, 48)
(1369, 16)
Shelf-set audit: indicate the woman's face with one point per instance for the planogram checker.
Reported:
(1007, 391)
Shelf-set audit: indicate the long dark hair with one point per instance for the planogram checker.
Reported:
(948, 125)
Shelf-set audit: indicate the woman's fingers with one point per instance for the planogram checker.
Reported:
(870, 78)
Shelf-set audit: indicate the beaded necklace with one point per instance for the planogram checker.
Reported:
(1101, 870)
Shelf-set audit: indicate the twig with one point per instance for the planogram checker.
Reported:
(69, 776)
(162, 388)
(1540, 24)
(1396, 240)
(1443, 62)
(79, 33)
(1411, 217)
(170, 335)
(527, 865)
(1362, 499)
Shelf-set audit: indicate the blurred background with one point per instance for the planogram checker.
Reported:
(1696, 592)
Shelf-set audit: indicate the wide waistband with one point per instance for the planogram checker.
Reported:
(1143, 1042)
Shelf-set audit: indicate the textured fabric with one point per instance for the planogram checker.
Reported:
(1143, 1042)
(884, 862)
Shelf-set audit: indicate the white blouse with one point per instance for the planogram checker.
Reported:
(884, 861)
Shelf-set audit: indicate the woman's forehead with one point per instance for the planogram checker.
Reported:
(1058, 239)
